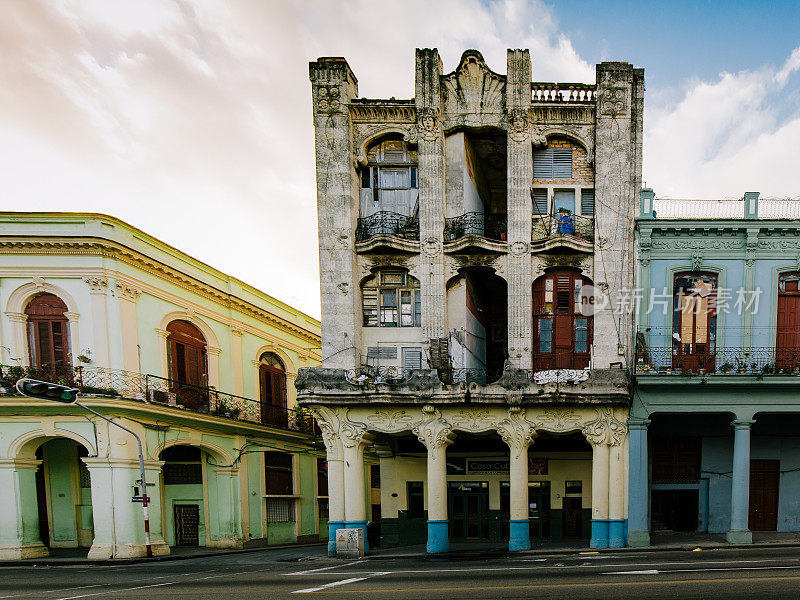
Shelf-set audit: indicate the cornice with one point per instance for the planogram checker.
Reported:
(116, 251)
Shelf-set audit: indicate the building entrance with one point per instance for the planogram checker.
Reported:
(468, 507)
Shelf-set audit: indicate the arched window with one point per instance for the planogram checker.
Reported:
(391, 298)
(187, 353)
(694, 321)
(787, 338)
(48, 331)
(562, 333)
(272, 383)
(389, 181)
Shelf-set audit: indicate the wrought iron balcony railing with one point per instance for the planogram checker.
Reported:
(159, 390)
(579, 227)
(721, 361)
(387, 223)
(491, 227)
(481, 376)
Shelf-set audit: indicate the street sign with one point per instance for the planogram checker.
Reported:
(47, 391)
(137, 499)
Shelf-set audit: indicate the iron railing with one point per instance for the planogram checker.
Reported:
(163, 391)
(575, 226)
(482, 376)
(492, 227)
(366, 374)
(387, 223)
(721, 361)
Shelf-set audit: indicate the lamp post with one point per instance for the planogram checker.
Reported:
(68, 395)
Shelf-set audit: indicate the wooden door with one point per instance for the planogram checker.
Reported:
(764, 482)
(787, 339)
(572, 515)
(695, 322)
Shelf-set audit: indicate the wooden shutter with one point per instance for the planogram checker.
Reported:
(539, 202)
(562, 163)
(543, 163)
(587, 202)
(412, 359)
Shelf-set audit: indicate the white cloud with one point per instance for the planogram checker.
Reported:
(728, 136)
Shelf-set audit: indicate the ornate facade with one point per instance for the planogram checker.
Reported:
(475, 242)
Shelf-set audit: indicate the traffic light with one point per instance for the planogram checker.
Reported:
(47, 391)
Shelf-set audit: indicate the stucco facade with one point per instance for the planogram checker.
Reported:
(448, 225)
(101, 300)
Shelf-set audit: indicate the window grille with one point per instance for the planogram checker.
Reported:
(84, 475)
(381, 352)
(322, 505)
(280, 510)
(182, 473)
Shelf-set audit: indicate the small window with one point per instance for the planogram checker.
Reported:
(412, 360)
(394, 302)
(587, 202)
(573, 487)
(545, 334)
(539, 197)
(322, 477)
(416, 500)
(278, 473)
(375, 476)
(552, 163)
(581, 329)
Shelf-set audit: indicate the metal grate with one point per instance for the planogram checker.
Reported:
(323, 509)
(187, 524)
(84, 475)
(280, 510)
(182, 473)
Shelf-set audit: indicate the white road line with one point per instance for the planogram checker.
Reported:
(655, 572)
(323, 568)
(329, 585)
(646, 572)
(77, 587)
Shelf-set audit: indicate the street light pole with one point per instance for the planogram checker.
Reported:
(148, 547)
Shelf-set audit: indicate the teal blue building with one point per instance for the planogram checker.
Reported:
(714, 442)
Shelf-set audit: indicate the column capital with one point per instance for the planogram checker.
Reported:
(213, 351)
(434, 432)
(17, 317)
(162, 333)
(97, 284)
(19, 463)
(634, 423)
(516, 431)
(739, 424)
(605, 429)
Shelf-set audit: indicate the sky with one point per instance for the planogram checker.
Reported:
(191, 119)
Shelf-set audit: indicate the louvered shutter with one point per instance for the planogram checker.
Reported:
(587, 202)
(543, 164)
(562, 163)
(539, 202)
(412, 360)
(381, 352)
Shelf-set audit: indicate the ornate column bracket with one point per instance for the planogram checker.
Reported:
(126, 291)
(434, 432)
(516, 431)
(97, 284)
(605, 429)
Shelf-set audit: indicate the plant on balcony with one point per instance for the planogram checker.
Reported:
(726, 367)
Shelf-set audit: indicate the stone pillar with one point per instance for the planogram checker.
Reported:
(431, 191)
(227, 507)
(127, 295)
(74, 336)
(600, 460)
(20, 348)
(616, 497)
(519, 209)
(212, 356)
(19, 516)
(97, 292)
(436, 434)
(163, 334)
(518, 434)
(638, 485)
(355, 491)
(739, 532)
(328, 420)
(618, 176)
(237, 364)
(333, 85)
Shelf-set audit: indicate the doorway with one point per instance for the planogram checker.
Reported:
(468, 507)
(764, 482)
(539, 509)
(572, 518)
(187, 525)
(675, 510)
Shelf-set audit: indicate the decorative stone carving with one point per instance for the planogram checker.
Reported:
(695, 244)
(352, 433)
(398, 111)
(97, 284)
(519, 248)
(473, 91)
(432, 247)
(126, 291)
(328, 421)
(472, 420)
(697, 260)
(606, 428)
(364, 134)
(329, 99)
(429, 127)
(518, 127)
(39, 283)
(557, 420)
(343, 287)
(613, 101)
(433, 431)
(516, 431)
(392, 420)
(573, 376)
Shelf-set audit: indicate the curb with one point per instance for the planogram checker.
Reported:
(476, 554)
(55, 562)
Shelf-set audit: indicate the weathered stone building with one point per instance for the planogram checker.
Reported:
(475, 242)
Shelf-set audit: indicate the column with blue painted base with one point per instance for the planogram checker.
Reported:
(638, 484)
(333, 447)
(518, 434)
(600, 525)
(616, 497)
(355, 508)
(436, 435)
(739, 532)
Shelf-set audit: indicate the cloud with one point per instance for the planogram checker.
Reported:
(192, 119)
(728, 136)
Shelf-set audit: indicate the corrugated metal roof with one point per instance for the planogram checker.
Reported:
(768, 208)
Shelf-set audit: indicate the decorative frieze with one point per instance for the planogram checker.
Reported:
(97, 284)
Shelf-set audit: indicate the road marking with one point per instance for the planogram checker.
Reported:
(710, 569)
(562, 585)
(329, 585)
(323, 568)
(77, 587)
(647, 572)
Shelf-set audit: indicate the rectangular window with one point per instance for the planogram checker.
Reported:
(417, 309)
(322, 477)
(395, 179)
(322, 507)
(587, 202)
(280, 510)
(573, 487)
(365, 183)
(539, 202)
(412, 360)
(393, 278)
(369, 300)
(416, 502)
(176, 473)
(375, 476)
(552, 163)
(548, 296)
(381, 352)
(406, 309)
(578, 288)
(545, 334)
(581, 335)
(388, 308)
(414, 182)
(564, 200)
(278, 473)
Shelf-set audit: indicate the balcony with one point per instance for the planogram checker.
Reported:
(475, 229)
(575, 232)
(563, 93)
(759, 362)
(388, 229)
(140, 387)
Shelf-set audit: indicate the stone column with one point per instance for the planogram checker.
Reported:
(74, 336)
(212, 356)
(328, 421)
(355, 492)
(638, 485)
(616, 497)
(163, 334)
(600, 459)
(127, 295)
(518, 434)
(333, 85)
(435, 433)
(97, 292)
(237, 364)
(519, 209)
(228, 506)
(431, 191)
(20, 348)
(739, 532)
(19, 516)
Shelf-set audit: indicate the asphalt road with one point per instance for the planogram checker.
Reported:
(753, 574)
